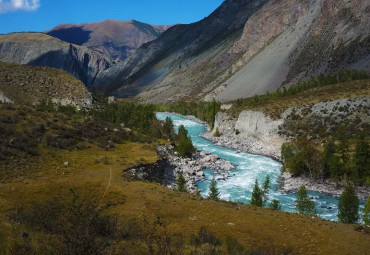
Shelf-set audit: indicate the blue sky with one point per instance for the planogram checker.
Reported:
(41, 15)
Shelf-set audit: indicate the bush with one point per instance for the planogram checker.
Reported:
(77, 225)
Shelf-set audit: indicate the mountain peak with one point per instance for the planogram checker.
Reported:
(112, 38)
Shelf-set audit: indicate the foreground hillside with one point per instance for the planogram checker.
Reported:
(114, 39)
(37, 49)
(246, 48)
(89, 155)
(23, 84)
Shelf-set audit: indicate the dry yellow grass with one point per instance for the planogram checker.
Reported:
(89, 173)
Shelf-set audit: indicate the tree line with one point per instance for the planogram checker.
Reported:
(320, 81)
(205, 111)
(348, 206)
(335, 162)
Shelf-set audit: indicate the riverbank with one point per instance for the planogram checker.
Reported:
(270, 146)
(168, 168)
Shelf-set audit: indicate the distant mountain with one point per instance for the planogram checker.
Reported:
(246, 48)
(112, 38)
(28, 84)
(37, 49)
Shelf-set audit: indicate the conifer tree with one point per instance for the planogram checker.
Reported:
(185, 147)
(266, 189)
(361, 158)
(180, 183)
(213, 190)
(257, 195)
(366, 213)
(304, 205)
(343, 145)
(348, 205)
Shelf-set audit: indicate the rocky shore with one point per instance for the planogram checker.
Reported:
(168, 168)
(269, 144)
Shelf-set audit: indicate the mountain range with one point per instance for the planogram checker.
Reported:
(242, 49)
(111, 38)
(246, 48)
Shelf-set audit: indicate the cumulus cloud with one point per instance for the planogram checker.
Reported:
(18, 5)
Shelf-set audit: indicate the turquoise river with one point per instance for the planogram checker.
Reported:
(239, 185)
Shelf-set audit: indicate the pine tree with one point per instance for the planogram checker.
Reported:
(361, 158)
(217, 133)
(366, 213)
(197, 193)
(304, 205)
(266, 189)
(168, 128)
(275, 205)
(180, 183)
(348, 205)
(343, 145)
(184, 147)
(257, 195)
(213, 190)
(329, 151)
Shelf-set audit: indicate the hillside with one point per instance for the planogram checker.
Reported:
(23, 84)
(39, 178)
(112, 38)
(246, 48)
(37, 49)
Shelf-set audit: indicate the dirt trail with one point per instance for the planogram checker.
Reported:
(108, 185)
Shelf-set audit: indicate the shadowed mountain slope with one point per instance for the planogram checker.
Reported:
(246, 48)
(112, 38)
(39, 49)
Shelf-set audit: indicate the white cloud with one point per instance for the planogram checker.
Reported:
(18, 5)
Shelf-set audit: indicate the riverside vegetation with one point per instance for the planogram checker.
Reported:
(66, 168)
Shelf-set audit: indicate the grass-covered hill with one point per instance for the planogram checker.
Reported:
(30, 85)
(109, 212)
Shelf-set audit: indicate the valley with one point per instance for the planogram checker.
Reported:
(245, 132)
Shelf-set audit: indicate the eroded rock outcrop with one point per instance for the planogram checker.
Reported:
(38, 49)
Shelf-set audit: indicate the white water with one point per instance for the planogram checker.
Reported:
(239, 184)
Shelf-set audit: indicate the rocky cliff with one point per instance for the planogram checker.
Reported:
(246, 48)
(251, 131)
(24, 84)
(112, 38)
(38, 49)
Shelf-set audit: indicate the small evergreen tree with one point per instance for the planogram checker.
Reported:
(329, 151)
(213, 190)
(275, 205)
(168, 128)
(184, 147)
(257, 195)
(266, 189)
(343, 145)
(361, 158)
(217, 133)
(180, 183)
(197, 193)
(304, 205)
(366, 213)
(348, 206)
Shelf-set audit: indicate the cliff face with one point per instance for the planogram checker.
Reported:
(113, 39)
(42, 50)
(246, 48)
